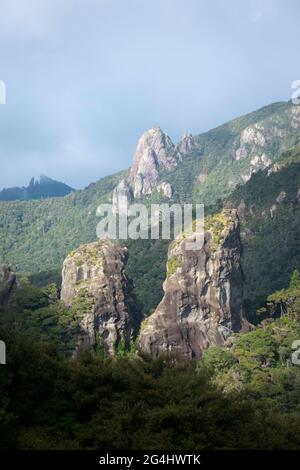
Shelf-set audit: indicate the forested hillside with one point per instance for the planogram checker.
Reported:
(244, 396)
(269, 211)
(35, 236)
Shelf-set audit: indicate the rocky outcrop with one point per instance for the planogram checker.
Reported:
(7, 282)
(253, 143)
(295, 117)
(165, 188)
(251, 138)
(95, 287)
(155, 152)
(186, 144)
(122, 198)
(203, 293)
(281, 197)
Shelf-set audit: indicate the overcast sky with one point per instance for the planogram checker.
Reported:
(85, 78)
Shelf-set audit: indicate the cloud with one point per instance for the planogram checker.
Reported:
(85, 78)
(29, 18)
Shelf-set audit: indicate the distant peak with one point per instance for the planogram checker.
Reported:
(155, 151)
(45, 179)
(152, 131)
(186, 143)
(38, 188)
(187, 135)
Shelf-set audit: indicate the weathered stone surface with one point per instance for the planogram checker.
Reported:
(281, 197)
(95, 286)
(165, 188)
(186, 143)
(203, 293)
(122, 198)
(155, 151)
(7, 282)
(251, 137)
(261, 161)
(275, 168)
(295, 117)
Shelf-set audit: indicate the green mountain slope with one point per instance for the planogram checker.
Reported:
(265, 361)
(227, 156)
(35, 236)
(269, 209)
(269, 212)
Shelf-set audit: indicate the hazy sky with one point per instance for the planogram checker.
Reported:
(85, 78)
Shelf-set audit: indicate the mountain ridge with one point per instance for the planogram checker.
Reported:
(36, 236)
(37, 189)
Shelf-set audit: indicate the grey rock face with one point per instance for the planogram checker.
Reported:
(7, 282)
(122, 198)
(155, 151)
(186, 144)
(281, 197)
(165, 188)
(203, 293)
(95, 287)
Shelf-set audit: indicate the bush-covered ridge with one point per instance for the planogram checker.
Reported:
(260, 362)
(269, 212)
(36, 236)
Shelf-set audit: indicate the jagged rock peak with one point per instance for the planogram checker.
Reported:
(122, 198)
(186, 143)
(95, 287)
(203, 293)
(155, 151)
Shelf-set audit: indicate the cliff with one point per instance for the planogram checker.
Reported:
(155, 151)
(95, 287)
(154, 154)
(203, 293)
